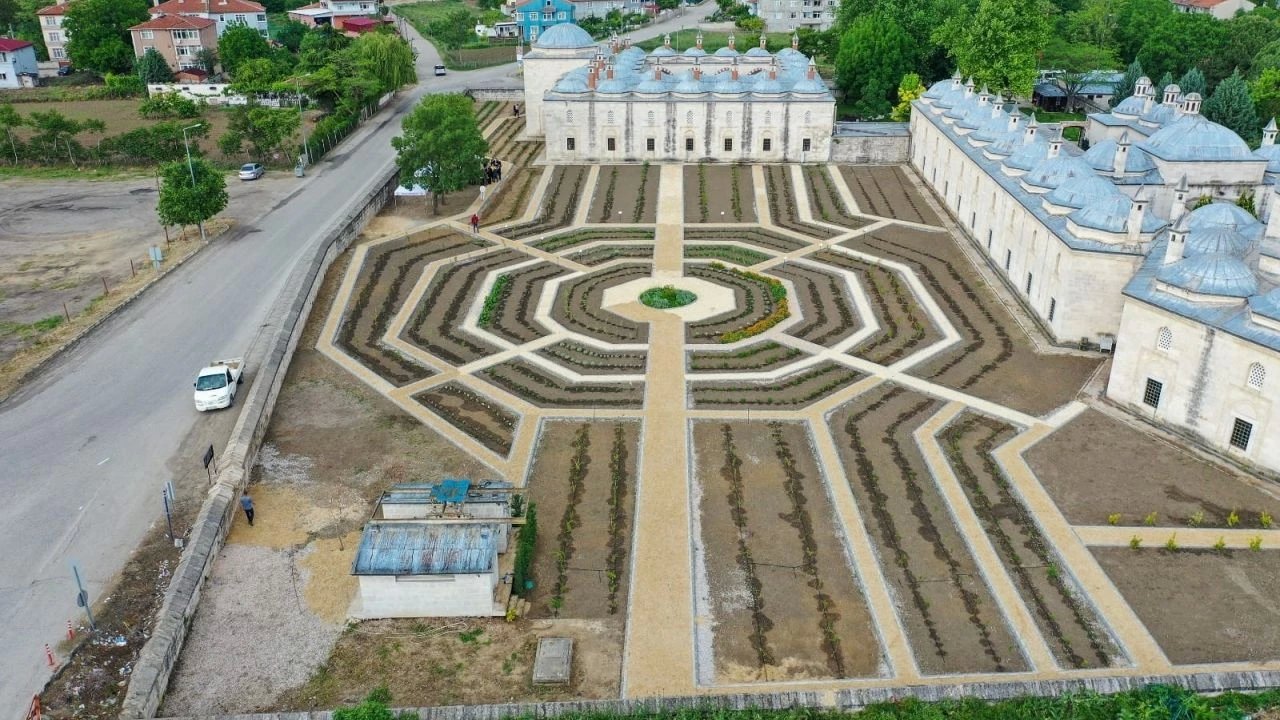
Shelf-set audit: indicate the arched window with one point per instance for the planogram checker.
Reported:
(688, 118)
(609, 117)
(568, 116)
(1164, 339)
(651, 117)
(1257, 375)
(728, 117)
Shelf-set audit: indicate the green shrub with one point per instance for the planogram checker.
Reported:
(526, 540)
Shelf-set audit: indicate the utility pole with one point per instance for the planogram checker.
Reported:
(302, 123)
(191, 169)
(82, 597)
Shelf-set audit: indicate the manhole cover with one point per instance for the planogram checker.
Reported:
(552, 663)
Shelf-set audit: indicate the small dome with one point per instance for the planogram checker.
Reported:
(1270, 153)
(757, 52)
(1029, 155)
(1102, 156)
(614, 86)
(633, 55)
(662, 51)
(694, 51)
(1054, 171)
(571, 84)
(1078, 191)
(1130, 106)
(1225, 215)
(1111, 214)
(936, 90)
(565, 36)
(951, 97)
(993, 128)
(1215, 274)
(652, 86)
(1158, 115)
(767, 87)
(1009, 143)
(962, 108)
(1193, 138)
(1216, 240)
(790, 52)
(810, 86)
(726, 52)
(726, 85)
(688, 85)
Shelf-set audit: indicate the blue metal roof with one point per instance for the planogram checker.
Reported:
(1079, 191)
(426, 548)
(1102, 156)
(565, 36)
(1215, 274)
(1193, 138)
(1216, 241)
(452, 490)
(1227, 215)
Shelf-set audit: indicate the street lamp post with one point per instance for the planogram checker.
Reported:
(191, 168)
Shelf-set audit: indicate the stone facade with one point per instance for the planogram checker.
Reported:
(874, 143)
(607, 104)
(787, 15)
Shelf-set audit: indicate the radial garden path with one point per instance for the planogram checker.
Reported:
(832, 486)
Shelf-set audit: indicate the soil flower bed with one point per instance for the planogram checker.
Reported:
(666, 297)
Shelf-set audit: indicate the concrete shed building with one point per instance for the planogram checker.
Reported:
(450, 498)
(417, 568)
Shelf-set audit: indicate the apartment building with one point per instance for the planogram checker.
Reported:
(224, 13)
(178, 38)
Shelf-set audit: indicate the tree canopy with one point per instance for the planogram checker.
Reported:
(875, 52)
(183, 202)
(909, 90)
(239, 44)
(999, 46)
(267, 130)
(153, 68)
(1231, 105)
(1075, 61)
(441, 147)
(387, 58)
(1180, 42)
(98, 33)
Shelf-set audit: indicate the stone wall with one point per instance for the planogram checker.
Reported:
(511, 94)
(151, 673)
(875, 143)
(847, 699)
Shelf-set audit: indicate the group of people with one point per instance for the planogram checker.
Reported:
(492, 171)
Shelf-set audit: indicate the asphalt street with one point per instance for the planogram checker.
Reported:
(86, 449)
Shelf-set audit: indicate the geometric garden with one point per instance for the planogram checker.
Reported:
(843, 460)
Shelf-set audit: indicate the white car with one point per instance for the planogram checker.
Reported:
(252, 171)
(216, 384)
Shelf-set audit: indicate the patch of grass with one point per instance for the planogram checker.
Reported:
(480, 55)
(667, 296)
(471, 637)
(27, 330)
(72, 173)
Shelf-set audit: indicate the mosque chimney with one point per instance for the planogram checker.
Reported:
(1177, 243)
(1179, 200)
(699, 40)
(1121, 158)
(764, 43)
(1172, 94)
(795, 41)
(1029, 134)
(1137, 211)
(1269, 133)
(1055, 145)
(666, 41)
(732, 40)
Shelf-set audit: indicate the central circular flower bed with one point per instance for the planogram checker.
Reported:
(666, 297)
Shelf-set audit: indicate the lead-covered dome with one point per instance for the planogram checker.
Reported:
(1078, 191)
(565, 36)
(1029, 155)
(1214, 274)
(1102, 156)
(1054, 171)
(1193, 138)
(1130, 106)
(1226, 215)
(1111, 215)
(1216, 241)
(1267, 305)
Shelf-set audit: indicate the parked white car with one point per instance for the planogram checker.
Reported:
(252, 171)
(216, 384)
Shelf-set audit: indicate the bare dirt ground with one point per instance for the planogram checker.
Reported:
(1202, 606)
(277, 601)
(1087, 467)
(625, 194)
(60, 239)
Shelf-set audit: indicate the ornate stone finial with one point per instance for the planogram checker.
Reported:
(1124, 138)
(1269, 133)
(764, 42)
(699, 39)
(732, 40)
(795, 41)
(666, 40)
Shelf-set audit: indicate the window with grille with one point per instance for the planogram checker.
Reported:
(1164, 339)
(688, 144)
(651, 118)
(609, 117)
(728, 144)
(768, 117)
(1257, 374)
(1151, 395)
(688, 119)
(612, 144)
(649, 144)
(767, 144)
(1053, 308)
(568, 144)
(1241, 430)
(1008, 259)
(806, 145)
(728, 117)
(1028, 290)
(568, 115)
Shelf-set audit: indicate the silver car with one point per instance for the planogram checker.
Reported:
(252, 171)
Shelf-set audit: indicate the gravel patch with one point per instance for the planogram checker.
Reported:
(253, 636)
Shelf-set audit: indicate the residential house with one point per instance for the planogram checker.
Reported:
(788, 15)
(178, 38)
(1220, 9)
(601, 8)
(55, 38)
(357, 26)
(223, 12)
(535, 16)
(17, 63)
(335, 12)
(1095, 90)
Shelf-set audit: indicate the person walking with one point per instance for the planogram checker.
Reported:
(246, 502)
(475, 223)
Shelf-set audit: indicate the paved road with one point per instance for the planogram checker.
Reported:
(85, 450)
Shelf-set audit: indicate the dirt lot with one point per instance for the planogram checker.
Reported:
(122, 116)
(1087, 467)
(719, 194)
(277, 601)
(785, 602)
(625, 194)
(952, 622)
(1202, 606)
(59, 239)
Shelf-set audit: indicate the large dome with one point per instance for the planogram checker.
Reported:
(1193, 138)
(1214, 274)
(565, 36)
(1217, 240)
(1225, 215)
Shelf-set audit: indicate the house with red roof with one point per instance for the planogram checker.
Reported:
(1220, 9)
(335, 12)
(224, 13)
(17, 63)
(55, 38)
(178, 38)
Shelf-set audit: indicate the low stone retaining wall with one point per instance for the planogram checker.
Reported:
(870, 143)
(849, 699)
(498, 94)
(150, 676)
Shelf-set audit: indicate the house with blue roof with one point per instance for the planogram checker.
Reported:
(536, 16)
